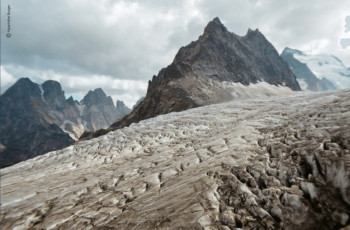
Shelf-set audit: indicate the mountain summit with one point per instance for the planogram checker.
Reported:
(36, 119)
(218, 67)
(99, 110)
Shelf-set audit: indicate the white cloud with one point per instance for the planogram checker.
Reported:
(345, 42)
(128, 91)
(6, 79)
(127, 42)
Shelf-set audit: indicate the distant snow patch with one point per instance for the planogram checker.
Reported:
(42, 92)
(240, 91)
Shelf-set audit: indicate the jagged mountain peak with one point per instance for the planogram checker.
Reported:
(95, 97)
(52, 85)
(216, 20)
(251, 32)
(53, 94)
(97, 92)
(215, 30)
(257, 37)
(35, 119)
(207, 70)
(214, 26)
(24, 81)
(24, 87)
(71, 101)
(226, 56)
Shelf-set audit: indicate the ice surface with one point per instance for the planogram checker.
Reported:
(223, 166)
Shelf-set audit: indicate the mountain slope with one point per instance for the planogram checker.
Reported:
(26, 128)
(204, 72)
(272, 163)
(36, 119)
(305, 77)
(328, 67)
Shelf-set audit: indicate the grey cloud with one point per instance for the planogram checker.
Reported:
(134, 39)
(345, 42)
(71, 38)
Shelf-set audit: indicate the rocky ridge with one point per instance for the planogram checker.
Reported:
(208, 71)
(270, 163)
(36, 119)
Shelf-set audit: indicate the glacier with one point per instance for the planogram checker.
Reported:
(271, 162)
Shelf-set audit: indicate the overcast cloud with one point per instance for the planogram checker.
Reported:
(120, 45)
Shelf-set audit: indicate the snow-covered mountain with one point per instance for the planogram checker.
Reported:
(326, 66)
(270, 163)
(307, 80)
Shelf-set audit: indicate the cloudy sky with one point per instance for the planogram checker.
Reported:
(119, 45)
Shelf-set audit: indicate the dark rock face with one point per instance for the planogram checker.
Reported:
(199, 69)
(302, 72)
(26, 129)
(54, 95)
(225, 56)
(36, 119)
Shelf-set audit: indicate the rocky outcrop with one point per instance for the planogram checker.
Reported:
(201, 72)
(268, 163)
(62, 112)
(36, 119)
(304, 75)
